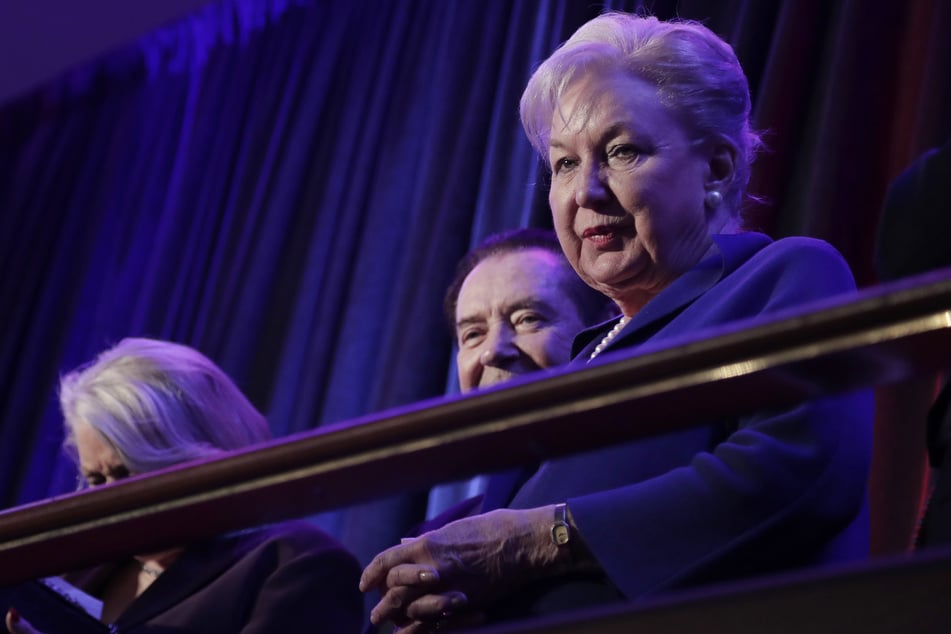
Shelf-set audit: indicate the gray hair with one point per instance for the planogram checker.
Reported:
(697, 75)
(158, 404)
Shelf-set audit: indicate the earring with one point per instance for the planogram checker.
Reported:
(713, 199)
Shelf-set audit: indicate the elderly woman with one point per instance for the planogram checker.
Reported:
(144, 405)
(645, 126)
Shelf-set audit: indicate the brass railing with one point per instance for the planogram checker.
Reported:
(877, 336)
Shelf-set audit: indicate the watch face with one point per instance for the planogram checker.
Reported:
(559, 533)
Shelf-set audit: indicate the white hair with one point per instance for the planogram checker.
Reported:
(158, 404)
(697, 75)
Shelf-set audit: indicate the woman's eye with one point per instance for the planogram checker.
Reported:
(563, 164)
(623, 151)
(114, 474)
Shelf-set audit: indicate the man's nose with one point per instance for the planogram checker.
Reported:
(499, 347)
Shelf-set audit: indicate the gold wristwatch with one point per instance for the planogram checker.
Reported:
(560, 531)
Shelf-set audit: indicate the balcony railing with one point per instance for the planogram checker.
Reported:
(877, 336)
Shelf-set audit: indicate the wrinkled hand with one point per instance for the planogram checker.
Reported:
(447, 574)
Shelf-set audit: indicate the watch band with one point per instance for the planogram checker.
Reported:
(560, 531)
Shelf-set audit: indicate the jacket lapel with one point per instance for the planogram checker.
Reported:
(197, 566)
(730, 251)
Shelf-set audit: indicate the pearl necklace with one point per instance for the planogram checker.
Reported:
(608, 338)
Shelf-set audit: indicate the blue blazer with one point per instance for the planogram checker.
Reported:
(772, 491)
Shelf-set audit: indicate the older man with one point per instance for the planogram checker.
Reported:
(515, 306)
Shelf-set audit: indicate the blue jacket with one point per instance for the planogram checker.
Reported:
(768, 492)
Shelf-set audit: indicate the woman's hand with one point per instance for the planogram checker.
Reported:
(16, 624)
(461, 567)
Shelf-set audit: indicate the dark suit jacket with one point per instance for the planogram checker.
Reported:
(284, 578)
(916, 218)
(773, 491)
(913, 239)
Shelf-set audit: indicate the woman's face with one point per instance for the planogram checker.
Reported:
(627, 190)
(98, 461)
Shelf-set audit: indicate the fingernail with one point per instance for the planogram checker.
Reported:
(428, 576)
(14, 615)
(457, 601)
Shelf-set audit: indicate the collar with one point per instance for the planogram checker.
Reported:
(730, 251)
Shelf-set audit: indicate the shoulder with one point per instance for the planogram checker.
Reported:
(765, 276)
(739, 249)
(802, 246)
(803, 261)
(288, 576)
(290, 540)
(914, 223)
(751, 245)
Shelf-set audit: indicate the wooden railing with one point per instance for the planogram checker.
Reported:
(877, 336)
(903, 595)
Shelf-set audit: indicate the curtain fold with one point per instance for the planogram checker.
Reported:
(287, 186)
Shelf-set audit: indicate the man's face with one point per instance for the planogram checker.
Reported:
(514, 316)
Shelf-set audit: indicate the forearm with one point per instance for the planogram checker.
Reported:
(539, 546)
(794, 479)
